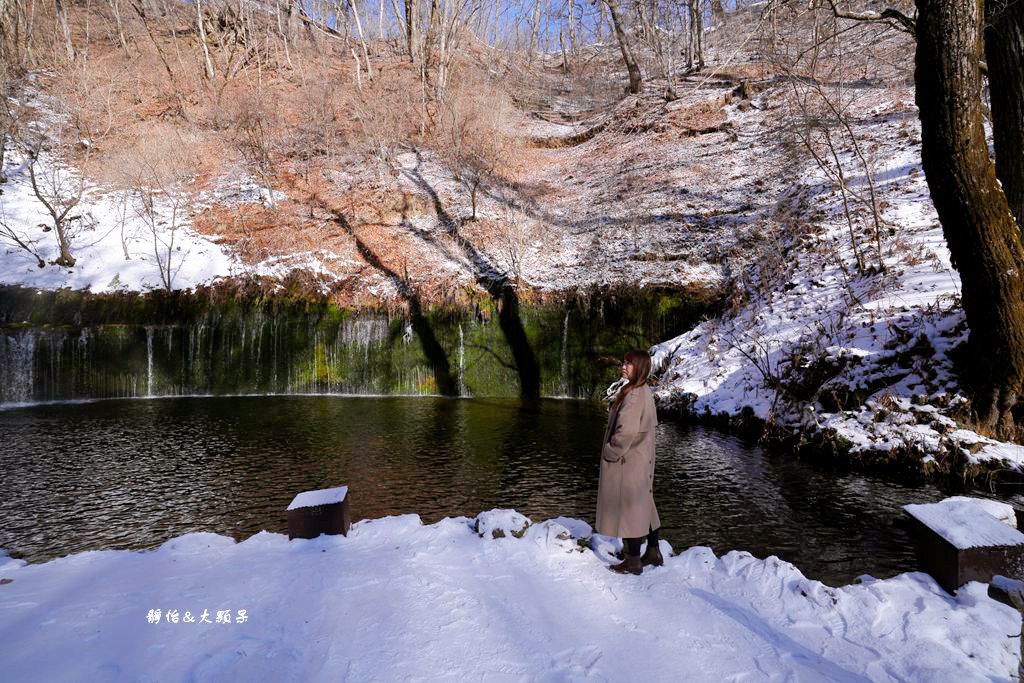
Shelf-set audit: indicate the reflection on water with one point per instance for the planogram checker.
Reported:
(131, 474)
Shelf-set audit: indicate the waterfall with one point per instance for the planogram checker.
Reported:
(257, 343)
(462, 363)
(362, 333)
(17, 371)
(238, 348)
(149, 361)
(273, 345)
(563, 372)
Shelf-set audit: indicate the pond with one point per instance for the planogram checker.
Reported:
(130, 474)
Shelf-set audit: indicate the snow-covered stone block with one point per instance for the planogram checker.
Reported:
(552, 535)
(324, 511)
(958, 541)
(499, 523)
(577, 527)
(1007, 591)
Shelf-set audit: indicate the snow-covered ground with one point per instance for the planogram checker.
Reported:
(397, 600)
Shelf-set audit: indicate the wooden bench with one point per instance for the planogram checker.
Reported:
(324, 511)
(958, 541)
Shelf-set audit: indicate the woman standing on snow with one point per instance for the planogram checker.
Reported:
(625, 492)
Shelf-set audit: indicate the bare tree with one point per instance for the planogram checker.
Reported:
(809, 51)
(115, 8)
(696, 49)
(635, 79)
(60, 193)
(8, 121)
(141, 11)
(517, 233)
(476, 146)
(253, 124)
(978, 201)
(412, 31)
(157, 175)
(362, 38)
(453, 17)
(62, 19)
(201, 25)
(665, 41)
(538, 13)
(1004, 55)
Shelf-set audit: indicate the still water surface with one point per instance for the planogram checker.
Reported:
(131, 474)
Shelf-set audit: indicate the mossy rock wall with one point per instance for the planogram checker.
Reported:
(73, 345)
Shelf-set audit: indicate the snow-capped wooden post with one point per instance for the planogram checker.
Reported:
(958, 541)
(324, 511)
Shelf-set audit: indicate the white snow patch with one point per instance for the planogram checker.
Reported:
(308, 499)
(1004, 512)
(965, 524)
(500, 523)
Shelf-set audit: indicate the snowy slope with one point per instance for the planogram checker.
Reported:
(814, 345)
(114, 247)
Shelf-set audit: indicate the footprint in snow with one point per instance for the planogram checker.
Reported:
(629, 625)
(578, 661)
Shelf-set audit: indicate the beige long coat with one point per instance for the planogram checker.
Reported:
(625, 492)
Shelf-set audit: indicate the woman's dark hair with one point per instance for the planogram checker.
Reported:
(641, 361)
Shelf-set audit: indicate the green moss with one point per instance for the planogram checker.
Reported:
(212, 341)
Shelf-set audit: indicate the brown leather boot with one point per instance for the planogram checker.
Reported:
(631, 565)
(652, 556)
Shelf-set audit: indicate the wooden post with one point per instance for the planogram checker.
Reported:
(325, 511)
(959, 542)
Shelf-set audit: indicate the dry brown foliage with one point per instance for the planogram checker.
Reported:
(283, 106)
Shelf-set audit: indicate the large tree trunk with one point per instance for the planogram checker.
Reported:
(362, 39)
(1004, 54)
(635, 79)
(534, 28)
(201, 24)
(62, 17)
(411, 38)
(984, 240)
(717, 12)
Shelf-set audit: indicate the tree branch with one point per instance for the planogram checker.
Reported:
(906, 24)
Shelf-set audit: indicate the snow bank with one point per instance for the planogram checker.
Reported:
(396, 600)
